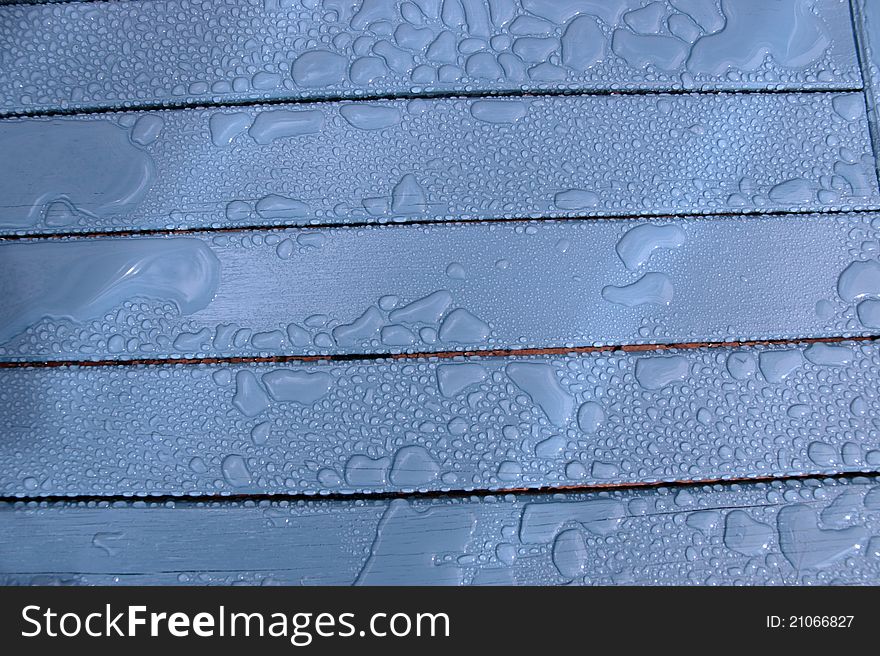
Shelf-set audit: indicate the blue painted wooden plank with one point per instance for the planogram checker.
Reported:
(797, 532)
(866, 15)
(336, 163)
(473, 423)
(117, 54)
(441, 287)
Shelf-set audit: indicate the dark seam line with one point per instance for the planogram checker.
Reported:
(433, 494)
(154, 572)
(34, 3)
(439, 355)
(869, 97)
(425, 95)
(207, 230)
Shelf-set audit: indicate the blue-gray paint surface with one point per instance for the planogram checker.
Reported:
(386, 289)
(119, 54)
(468, 423)
(781, 533)
(462, 424)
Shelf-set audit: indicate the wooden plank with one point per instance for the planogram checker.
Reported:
(425, 160)
(866, 16)
(475, 423)
(797, 532)
(440, 288)
(120, 54)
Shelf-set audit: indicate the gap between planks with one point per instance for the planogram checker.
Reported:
(547, 490)
(440, 355)
(359, 225)
(422, 95)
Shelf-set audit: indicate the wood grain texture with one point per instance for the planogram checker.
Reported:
(474, 423)
(116, 54)
(799, 532)
(440, 288)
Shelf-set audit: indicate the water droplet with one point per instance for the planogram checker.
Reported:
(250, 399)
(499, 111)
(462, 327)
(778, 365)
(413, 466)
(235, 471)
(363, 471)
(366, 116)
(540, 383)
(807, 546)
(82, 280)
(590, 417)
(639, 243)
(570, 553)
(297, 386)
(859, 280)
(453, 379)
(425, 310)
(746, 535)
(276, 124)
(656, 372)
(651, 288)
